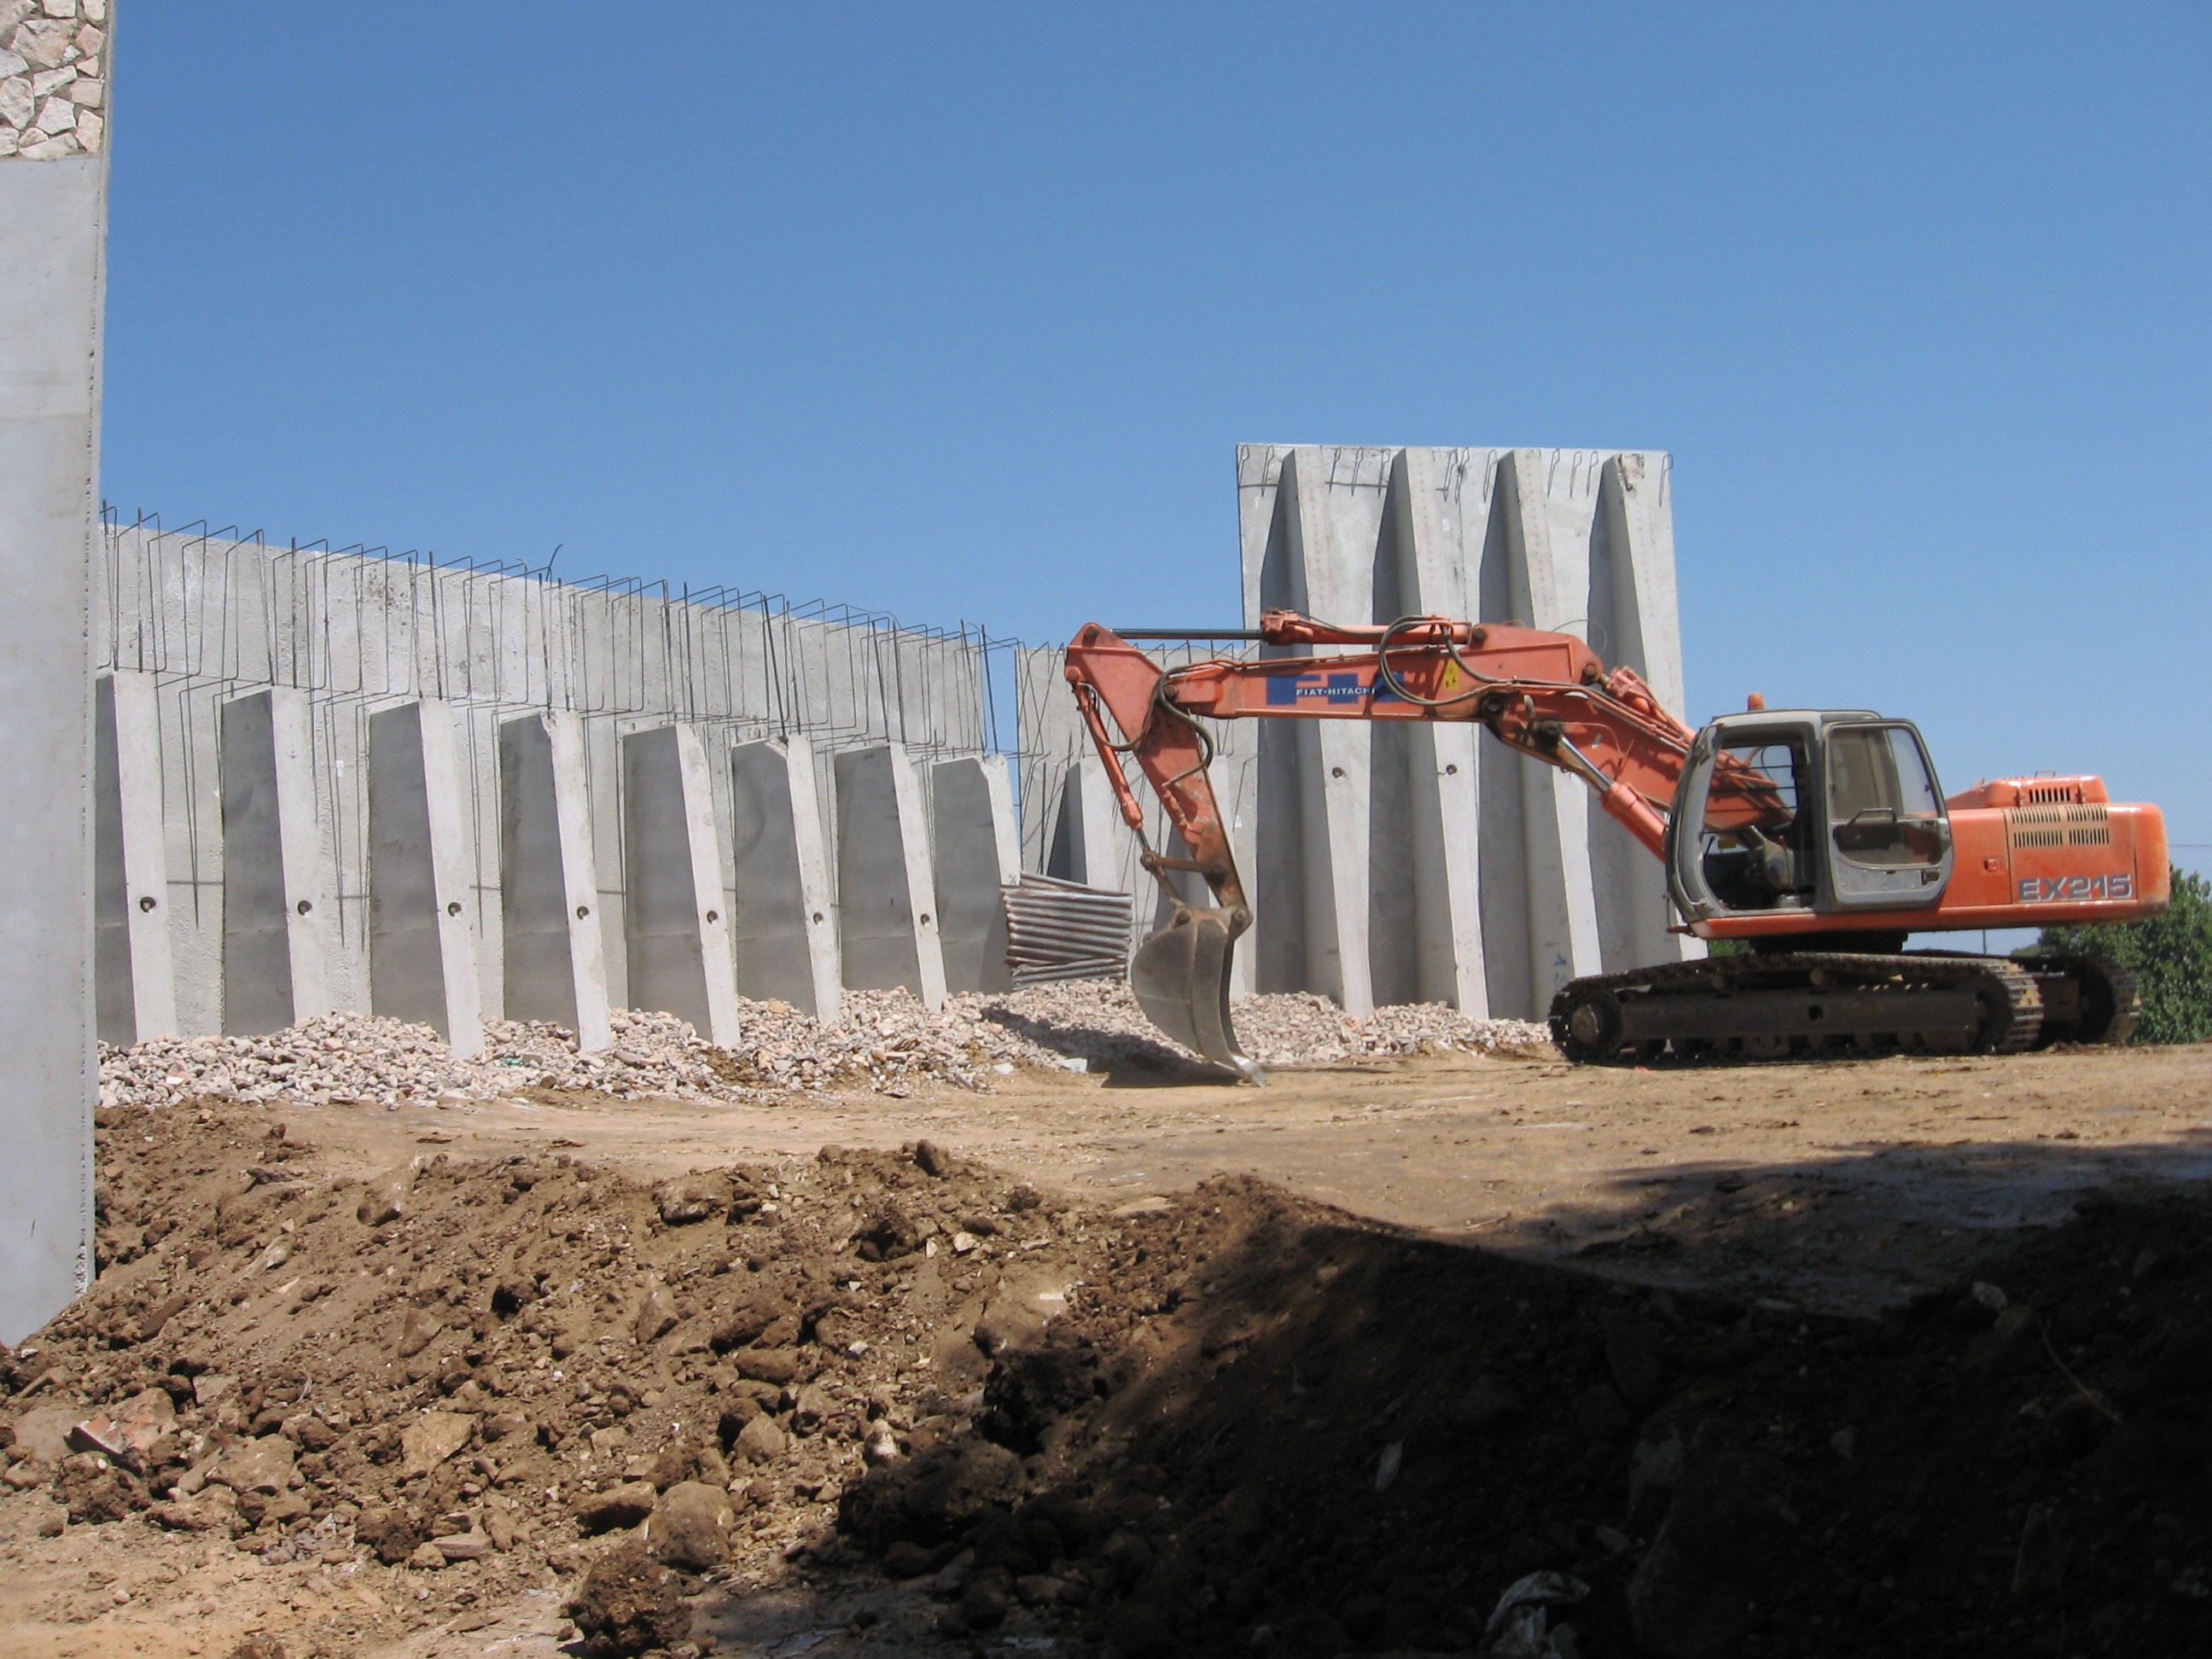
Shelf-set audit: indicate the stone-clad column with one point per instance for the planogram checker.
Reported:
(676, 937)
(555, 963)
(886, 896)
(784, 928)
(137, 985)
(275, 890)
(422, 956)
(53, 222)
(977, 851)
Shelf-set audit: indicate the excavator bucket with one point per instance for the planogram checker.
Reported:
(1181, 976)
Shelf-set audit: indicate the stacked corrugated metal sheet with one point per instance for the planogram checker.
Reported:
(1061, 930)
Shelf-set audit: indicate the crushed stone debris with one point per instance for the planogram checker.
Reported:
(888, 1041)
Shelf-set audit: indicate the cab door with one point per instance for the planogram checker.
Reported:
(1743, 836)
(1888, 840)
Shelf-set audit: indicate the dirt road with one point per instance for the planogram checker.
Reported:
(1842, 1185)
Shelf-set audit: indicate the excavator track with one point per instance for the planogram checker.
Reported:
(2085, 999)
(1801, 1005)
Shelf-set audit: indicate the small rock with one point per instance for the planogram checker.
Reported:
(264, 1466)
(2013, 1328)
(656, 1316)
(384, 1200)
(780, 1366)
(624, 1505)
(692, 1198)
(463, 1546)
(906, 1559)
(691, 1528)
(983, 1604)
(761, 1441)
(427, 1557)
(128, 1432)
(259, 1645)
(44, 1434)
(1487, 1404)
(433, 1437)
(929, 1157)
(629, 1604)
(421, 1328)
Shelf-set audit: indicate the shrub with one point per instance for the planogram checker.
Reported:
(2170, 955)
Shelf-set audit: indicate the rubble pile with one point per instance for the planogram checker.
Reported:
(888, 1041)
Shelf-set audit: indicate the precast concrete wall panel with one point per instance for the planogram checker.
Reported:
(554, 961)
(977, 851)
(276, 891)
(53, 212)
(886, 898)
(1403, 862)
(137, 992)
(783, 916)
(206, 617)
(422, 954)
(677, 935)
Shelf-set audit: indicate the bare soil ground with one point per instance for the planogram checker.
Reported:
(1152, 1365)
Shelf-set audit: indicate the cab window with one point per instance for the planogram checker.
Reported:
(1753, 843)
(1883, 801)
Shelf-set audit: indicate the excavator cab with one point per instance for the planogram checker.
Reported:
(1823, 811)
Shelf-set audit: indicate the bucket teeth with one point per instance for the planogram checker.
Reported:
(1181, 977)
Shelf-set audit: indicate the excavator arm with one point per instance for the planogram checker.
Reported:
(1544, 694)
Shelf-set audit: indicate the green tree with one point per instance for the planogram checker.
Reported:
(2170, 954)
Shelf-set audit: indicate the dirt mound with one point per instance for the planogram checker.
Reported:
(464, 1373)
(1231, 1421)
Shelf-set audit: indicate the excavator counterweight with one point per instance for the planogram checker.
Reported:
(1819, 838)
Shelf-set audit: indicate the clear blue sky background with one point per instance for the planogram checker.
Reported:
(959, 311)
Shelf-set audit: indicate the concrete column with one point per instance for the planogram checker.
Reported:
(1635, 622)
(678, 937)
(53, 220)
(1319, 556)
(555, 965)
(977, 851)
(275, 893)
(784, 924)
(137, 985)
(1439, 513)
(1547, 518)
(1109, 847)
(886, 896)
(422, 956)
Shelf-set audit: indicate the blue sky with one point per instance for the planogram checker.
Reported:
(959, 311)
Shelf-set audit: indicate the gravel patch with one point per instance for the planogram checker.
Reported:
(887, 1043)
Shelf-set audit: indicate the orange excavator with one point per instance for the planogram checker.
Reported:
(1817, 838)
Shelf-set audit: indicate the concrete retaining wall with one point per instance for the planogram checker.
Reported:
(383, 740)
